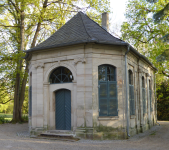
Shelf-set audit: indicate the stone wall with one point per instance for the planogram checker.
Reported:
(83, 61)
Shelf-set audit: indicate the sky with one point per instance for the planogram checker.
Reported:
(117, 17)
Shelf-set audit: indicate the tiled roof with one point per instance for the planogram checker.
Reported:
(79, 29)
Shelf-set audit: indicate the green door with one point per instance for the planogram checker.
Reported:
(63, 109)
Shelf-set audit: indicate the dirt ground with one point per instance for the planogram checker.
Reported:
(155, 139)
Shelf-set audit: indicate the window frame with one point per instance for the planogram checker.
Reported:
(111, 102)
(60, 74)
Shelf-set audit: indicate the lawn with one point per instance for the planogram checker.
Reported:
(8, 117)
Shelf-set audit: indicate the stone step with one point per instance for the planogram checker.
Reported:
(58, 136)
(59, 131)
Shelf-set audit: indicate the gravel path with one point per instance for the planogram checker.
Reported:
(16, 137)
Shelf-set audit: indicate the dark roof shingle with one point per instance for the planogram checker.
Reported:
(79, 29)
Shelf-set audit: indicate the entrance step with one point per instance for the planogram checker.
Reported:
(59, 135)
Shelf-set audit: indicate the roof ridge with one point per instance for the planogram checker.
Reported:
(101, 27)
(84, 24)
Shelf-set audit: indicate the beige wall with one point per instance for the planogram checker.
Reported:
(83, 61)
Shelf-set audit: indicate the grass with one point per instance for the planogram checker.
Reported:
(154, 133)
(6, 115)
(6, 118)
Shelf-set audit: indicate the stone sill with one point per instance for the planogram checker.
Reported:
(132, 116)
(104, 118)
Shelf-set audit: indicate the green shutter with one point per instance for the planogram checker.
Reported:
(108, 104)
(113, 104)
(150, 95)
(131, 99)
(144, 100)
(103, 99)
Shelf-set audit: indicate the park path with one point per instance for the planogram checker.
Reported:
(155, 139)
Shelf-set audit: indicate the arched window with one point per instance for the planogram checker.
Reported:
(130, 77)
(143, 95)
(108, 105)
(131, 93)
(61, 75)
(143, 84)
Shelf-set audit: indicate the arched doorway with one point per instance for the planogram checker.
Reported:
(62, 98)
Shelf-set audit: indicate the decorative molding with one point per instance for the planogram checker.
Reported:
(39, 64)
(46, 83)
(83, 60)
(147, 75)
(140, 70)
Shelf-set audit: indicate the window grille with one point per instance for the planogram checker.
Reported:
(107, 91)
(61, 75)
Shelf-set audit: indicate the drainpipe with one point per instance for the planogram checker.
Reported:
(126, 73)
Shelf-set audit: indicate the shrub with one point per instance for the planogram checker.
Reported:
(2, 119)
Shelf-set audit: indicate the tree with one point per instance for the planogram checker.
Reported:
(144, 33)
(24, 24)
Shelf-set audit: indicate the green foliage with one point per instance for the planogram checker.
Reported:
(5, 118)
(26, 101)
(143, 33)
(163, 100)
(2, 119)
(25, 118)
(19, 21)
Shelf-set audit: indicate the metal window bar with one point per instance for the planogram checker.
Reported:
(131, 99)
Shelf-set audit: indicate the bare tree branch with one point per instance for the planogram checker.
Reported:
(164, 73)
(6, 101)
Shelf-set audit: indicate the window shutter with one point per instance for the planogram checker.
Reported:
(112, 103)
(103, 99)
(131, 99)
(144, 100)
(150, 95)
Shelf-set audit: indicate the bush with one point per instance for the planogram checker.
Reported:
(163, 100)
(2, 119)
(25, 118)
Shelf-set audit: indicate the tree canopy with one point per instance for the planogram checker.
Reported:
(145, 34)
(23, 25)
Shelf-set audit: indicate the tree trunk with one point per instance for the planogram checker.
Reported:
(17, 115)
(20, 88)
(23, 87)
